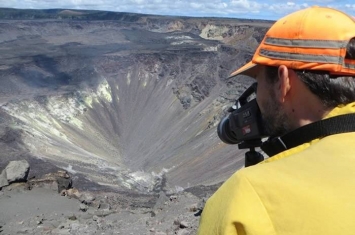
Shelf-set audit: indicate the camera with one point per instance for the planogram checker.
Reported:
(243, 126)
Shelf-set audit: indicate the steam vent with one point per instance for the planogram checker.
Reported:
(122, 100)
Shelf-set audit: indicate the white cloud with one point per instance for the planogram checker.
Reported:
(350, 6)
(322, 1)
(245, 4)
(271, 9)
(195, 5)
(282, 9)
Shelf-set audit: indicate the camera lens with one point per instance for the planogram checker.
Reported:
(225, 133)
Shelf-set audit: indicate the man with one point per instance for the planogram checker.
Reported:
(305, 70)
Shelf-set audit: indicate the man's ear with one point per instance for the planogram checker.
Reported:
(283, 86)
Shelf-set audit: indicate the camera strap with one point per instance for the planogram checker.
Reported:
(330, 126)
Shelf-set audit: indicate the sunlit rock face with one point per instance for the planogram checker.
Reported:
(124, 104)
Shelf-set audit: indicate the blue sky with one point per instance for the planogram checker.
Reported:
(252, 9)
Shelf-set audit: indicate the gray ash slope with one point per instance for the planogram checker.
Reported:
(126, 102)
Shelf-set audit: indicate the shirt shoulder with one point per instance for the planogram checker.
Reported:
(235, 208)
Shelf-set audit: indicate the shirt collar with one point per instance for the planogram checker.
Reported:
(340, 110)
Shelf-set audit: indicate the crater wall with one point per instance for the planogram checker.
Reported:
(121, 104)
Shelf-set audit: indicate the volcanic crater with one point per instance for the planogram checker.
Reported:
(121, 100)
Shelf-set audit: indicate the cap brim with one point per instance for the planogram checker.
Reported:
(250, 69)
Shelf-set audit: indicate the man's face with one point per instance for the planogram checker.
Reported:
(274, 117)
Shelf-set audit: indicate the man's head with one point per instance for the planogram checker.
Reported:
(305, 66)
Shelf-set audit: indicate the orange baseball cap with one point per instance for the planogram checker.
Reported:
(310, 39)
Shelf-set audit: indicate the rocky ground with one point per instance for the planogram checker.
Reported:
(50, 205)
(44, 211)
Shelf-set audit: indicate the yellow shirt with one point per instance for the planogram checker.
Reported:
(309, 189)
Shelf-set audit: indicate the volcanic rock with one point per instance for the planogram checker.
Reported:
(71, 193)
(87, 198)
(17, 171)
(58, 181)
(3, 179)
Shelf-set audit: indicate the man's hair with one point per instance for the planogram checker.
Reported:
(332, 91)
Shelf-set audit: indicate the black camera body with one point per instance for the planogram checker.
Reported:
(243, 125)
